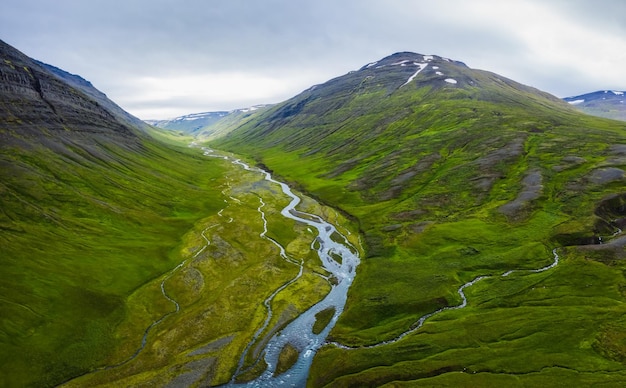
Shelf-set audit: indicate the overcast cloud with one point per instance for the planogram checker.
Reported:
(164, 58)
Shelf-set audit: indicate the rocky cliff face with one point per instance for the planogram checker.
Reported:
(86, 87)
(34, 102)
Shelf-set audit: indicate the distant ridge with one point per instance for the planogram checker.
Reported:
(209, 125)
(610, 104)
(190, 123)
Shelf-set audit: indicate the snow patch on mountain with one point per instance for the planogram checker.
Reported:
(421, 66)
(603, 103)
(616, 92)
(195, 121)
(250, 109)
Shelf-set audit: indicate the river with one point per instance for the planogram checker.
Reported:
(328, 244)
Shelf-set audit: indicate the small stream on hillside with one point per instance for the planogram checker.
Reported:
(299, 332)
(461, 291)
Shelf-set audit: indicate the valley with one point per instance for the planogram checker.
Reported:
(414, 222)
(246, 276)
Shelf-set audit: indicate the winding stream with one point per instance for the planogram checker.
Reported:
(299, 332)
(420, 322)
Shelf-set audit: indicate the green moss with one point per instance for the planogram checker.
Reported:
(286, 359)
(322, 319)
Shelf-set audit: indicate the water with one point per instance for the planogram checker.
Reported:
(299, 333)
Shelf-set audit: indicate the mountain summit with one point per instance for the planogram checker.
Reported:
(380, 115)
(414, 63)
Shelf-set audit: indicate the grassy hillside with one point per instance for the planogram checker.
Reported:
(94, 236)
(228, 271)
(448, 181)
(82, 229)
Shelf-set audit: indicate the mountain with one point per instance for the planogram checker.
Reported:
(456, 177)
(92, 212)
(370, 129)
(604, 103)
(35, 98)
(190, 123)
(208, 125)
(86, 87)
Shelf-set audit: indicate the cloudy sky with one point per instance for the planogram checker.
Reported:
(164, 58)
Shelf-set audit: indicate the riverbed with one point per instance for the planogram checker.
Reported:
(329, 244)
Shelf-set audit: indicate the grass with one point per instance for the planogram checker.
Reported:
(436, 181)
(322, 319)
(514, 326)
(220, 290)
(286, 359)
(90, 231)
(81, 232)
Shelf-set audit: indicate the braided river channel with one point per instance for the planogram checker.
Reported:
(329, 244)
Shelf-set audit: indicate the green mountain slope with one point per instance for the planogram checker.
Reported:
(454, 173)
(91, 209)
